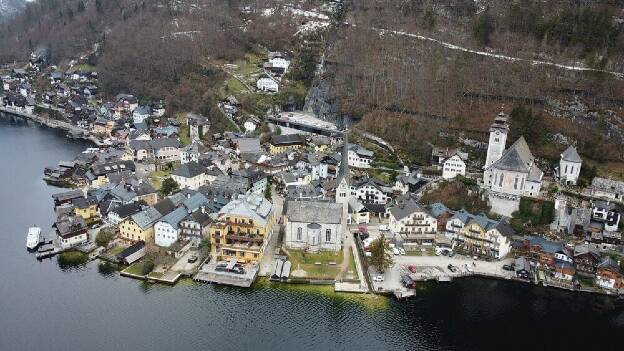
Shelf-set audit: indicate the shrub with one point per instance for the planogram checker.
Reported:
(105, 236)
(72, 258)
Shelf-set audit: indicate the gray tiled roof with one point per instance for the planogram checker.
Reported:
(407, 208)
(146, 218)
(189, 170)
(570, 154)
(314, 212)
(517, 158)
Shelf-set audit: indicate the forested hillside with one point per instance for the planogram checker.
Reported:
(409, 70)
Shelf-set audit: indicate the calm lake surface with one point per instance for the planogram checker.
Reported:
(43, 307)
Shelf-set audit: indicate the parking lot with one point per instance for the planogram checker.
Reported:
(436, 268)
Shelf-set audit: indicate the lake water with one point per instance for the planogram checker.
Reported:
(43, 307)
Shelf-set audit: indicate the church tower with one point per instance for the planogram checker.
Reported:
(498, 138)
(343, 180)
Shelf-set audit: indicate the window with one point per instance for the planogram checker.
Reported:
(299, 234)
(328, 235)
(516, 183)
(500, 181)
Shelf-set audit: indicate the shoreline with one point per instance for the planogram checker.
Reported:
(77, 132)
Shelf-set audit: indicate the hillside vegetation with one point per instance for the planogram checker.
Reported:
(431, 66)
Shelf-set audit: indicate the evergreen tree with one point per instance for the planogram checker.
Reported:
(381, 255)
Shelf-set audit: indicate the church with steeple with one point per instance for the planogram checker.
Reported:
(343, 179)
(509, 173)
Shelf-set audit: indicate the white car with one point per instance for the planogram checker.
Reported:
(368, 254)
(396, 251)
(468, 268)
(383, 228)
(402, 251)
(378, 278)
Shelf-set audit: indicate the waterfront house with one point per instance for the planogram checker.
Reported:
(71, 231)
(117, 214)
(66, 197)
(99, 172)
(242, 229)
(196, 225)
(564, 271)
(413, 224)
(87, 208)
(486, 237)
(609, 275)
(140, 226)
(279, 144)
(586, 258)
(456, 223)
(190, 175)
(522, 267)
(167, 229)
(313, 226)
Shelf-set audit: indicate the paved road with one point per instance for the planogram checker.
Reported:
(269, 252)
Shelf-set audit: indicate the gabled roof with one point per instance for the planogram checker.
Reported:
(570, 154)
(407, 208)
(314, 212)
(146, 218)
(195, 201)
(250, 206)
(189, 170)
(175, 217)
(517, 158)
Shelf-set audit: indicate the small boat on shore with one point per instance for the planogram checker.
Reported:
(34, 238)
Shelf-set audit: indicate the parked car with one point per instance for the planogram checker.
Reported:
(378, 278)
(412, 268)
(402, 251)
(468, 268)
(193, 259)
(383, 228)
(508, 267)
(395, 251)
(451, 268)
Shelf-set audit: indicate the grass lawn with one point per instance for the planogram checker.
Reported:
(586, 282)
(136, 268)
(116, 250)
(234, 86)
(155, 178)
(307, 262)
(156, 275)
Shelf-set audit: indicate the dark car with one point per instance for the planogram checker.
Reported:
(452, 268)
(508, 267)
(192, 259)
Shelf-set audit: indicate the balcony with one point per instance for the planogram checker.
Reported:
(241, 237)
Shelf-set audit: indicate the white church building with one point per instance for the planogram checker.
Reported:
(509, 173)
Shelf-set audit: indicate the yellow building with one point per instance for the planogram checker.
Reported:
(140, 226)
(85, 208)
(286, 143)
(242, 229)
(486, 237)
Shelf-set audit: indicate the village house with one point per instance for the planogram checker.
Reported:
(609, 275)
(192, 152)
(87, 208)
(242, 229)
(71, 231)
(486, 237)
(120, 212)
(409, 181)
(99, 173)
(453, 166)
(167, 229)
(586, 259)
(607, 188)
(190, 175)
(196, 225)
(369, 190)
(162, 149)
(141, 114)
(359, 157)
(313, 226)
(413, 224)
(140, 226)
(607, 214)
(569, 168)
(286, 143)
(267, 83)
